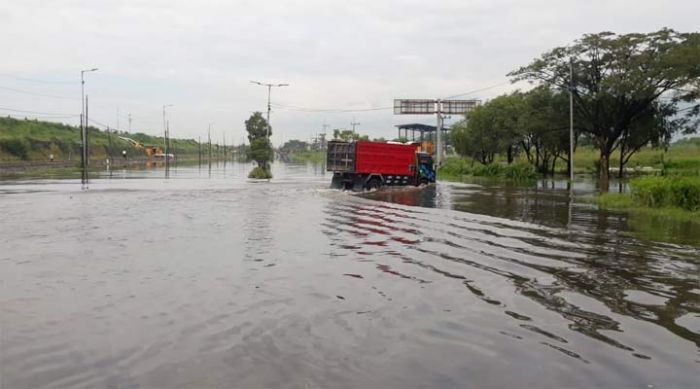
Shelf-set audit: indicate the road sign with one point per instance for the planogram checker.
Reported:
(414, 107)
(432, 106)
(458, 107)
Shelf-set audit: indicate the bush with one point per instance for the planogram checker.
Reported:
(682, 192)
(458, 167)
(16, 147)
(520, 171)
(260, 173)
(685, 193)
(650, 191)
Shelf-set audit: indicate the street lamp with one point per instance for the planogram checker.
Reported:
(165, 138)
(83, 125)
(269, 90)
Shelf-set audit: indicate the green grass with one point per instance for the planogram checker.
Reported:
(312, 156)
(625, 202)
(455, 168)
(33, 140)
(260, 173)
(681, 158)
(676, 198)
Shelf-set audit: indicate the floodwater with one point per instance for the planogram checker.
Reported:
(210, 280)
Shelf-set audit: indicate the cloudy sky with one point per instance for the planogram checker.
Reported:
(352, 55)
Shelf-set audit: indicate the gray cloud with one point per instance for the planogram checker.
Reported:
(201, 55)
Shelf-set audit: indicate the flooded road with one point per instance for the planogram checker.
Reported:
(210, 280)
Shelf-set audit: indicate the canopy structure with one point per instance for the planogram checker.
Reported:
(425, 131)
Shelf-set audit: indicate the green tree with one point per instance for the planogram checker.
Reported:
(260, 148)
(545, 120)
(256, 126)
(476, 136)
(495, 127)
(294, 145)
(617, 80)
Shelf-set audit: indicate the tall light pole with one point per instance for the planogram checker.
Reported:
(165, 138)
(83, 125)
(269, 92)
(571, 121)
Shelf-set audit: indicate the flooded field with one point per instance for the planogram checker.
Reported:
(210, 280)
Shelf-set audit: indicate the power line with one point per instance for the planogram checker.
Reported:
(37, 94)
(36, 80)
(328, 110)
(477, 90)
(36, 112)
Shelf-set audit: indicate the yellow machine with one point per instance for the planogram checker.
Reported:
(149, 150)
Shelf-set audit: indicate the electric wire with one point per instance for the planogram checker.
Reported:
(37, 94)
(35, 80)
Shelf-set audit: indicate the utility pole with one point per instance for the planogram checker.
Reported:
(83, 125)
(165, 138)
(117, 118)
(129, 122)
(86, 149)
(439, 132)
(353, 124)
(269, 92)
(209, 136)
(199, 153)
(571, 120)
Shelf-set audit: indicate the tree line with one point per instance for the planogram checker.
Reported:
(629, 91)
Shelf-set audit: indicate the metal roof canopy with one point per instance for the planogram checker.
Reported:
(418, 127)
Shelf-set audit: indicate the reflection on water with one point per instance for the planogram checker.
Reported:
(210, 280)
(546, 202)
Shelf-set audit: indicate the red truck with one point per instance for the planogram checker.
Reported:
(370, 165)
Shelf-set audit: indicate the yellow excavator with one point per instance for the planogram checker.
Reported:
(149, 150)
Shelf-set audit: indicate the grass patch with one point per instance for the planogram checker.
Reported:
(34, 140)
(675, 191)
(676, 198)
(311, 156)
(456, 168)
(625, 202)
(260, 173)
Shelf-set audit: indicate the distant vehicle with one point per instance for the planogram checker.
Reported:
(366, 165)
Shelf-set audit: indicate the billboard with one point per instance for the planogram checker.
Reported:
(430, 106)
(458, 107)
(414, 107)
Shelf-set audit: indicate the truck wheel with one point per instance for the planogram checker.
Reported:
(337, 182)
(373, 183)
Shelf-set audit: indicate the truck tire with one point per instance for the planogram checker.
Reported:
(337, 181)
(373, 183)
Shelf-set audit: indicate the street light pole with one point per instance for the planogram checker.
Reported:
(269, 93)
(165, 139)
(83, 126)
(571, 120)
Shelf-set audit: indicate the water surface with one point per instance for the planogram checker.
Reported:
(210, 280)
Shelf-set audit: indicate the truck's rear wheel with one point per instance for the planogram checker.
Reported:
(337, 181)
(374, 183)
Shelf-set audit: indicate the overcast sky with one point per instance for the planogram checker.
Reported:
(201, 55)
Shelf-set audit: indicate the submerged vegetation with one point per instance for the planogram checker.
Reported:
(260, 151)
(457, 168)
(673, 197)
(259, 172)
